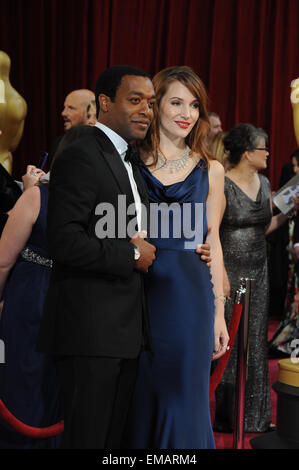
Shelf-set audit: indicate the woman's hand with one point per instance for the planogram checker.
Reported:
(205, 251)
(32, 176)
(221, 337)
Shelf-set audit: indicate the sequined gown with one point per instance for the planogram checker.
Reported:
(243, 241)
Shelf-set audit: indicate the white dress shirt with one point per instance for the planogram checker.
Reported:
(121, 146)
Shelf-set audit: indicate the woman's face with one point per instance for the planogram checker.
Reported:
(91, 116)
(179, 111)
(295, 165)
(258, 156)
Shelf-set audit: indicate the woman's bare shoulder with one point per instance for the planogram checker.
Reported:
(216, 168)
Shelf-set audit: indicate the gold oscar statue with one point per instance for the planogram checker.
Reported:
(295, 105)
(13, 110)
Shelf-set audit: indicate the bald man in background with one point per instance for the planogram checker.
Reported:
(74, 113)
(75, 108)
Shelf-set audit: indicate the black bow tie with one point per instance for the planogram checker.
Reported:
(132, 155)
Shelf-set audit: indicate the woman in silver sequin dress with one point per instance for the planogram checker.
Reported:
(247, 219)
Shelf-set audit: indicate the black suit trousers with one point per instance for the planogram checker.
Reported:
(96, 393)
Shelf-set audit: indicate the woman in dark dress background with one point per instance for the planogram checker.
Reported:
(246, 221)
(28, 383)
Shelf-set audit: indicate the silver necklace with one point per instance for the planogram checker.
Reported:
(176, 164)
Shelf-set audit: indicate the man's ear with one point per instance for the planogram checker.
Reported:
(104, 102)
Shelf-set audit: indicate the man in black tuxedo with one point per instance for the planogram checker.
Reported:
(95, 321)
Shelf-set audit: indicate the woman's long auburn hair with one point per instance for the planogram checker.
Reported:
(196, 140)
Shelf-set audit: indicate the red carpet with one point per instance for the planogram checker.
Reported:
(225, 440)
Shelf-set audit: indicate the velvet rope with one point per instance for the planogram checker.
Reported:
(222, 362)
(55, 429)
(29, 431)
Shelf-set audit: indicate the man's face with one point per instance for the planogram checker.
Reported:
(131, 112)
(215, 128)
(75, 110)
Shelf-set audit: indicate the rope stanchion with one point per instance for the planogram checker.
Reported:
(222, 362)
(232, 332)
(29, 431)
(243, 349)
(239, 321)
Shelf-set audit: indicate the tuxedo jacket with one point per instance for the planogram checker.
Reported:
(96, 303)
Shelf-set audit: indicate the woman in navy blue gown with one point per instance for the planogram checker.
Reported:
(28, 383)
(170, 406)
(29, 386)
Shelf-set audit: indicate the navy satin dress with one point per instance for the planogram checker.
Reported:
(170, 406)
(28, 383)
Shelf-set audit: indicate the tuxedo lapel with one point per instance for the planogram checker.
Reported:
(120, 174)
(139, 181)
(115, 164)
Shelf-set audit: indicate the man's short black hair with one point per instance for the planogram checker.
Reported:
(109, 81)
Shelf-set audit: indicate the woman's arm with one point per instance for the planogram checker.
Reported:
(276, 221)
(280, 219)
(17, 230)
(214, 217)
